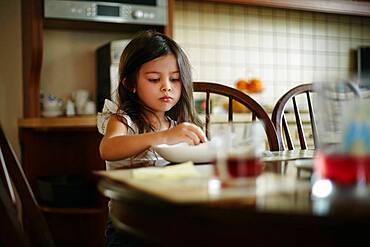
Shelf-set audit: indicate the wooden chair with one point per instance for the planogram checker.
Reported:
(22, 223)
(234, 95)
(280, 122)
(281, 125)
(282, 128)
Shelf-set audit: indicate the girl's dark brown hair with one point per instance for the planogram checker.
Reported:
(144, 47)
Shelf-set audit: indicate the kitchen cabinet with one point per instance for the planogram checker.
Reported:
(347, 7)
(33, 27)
(64, 145)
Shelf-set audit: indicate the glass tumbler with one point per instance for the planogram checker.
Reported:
(343, 124)
(239, 147)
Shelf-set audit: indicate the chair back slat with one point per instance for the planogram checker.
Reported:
(313, 120)
(33, 222)
(254, 117)
(208, 112)
(302, 138)
(230, 110)
(288, 136)
(235, 95)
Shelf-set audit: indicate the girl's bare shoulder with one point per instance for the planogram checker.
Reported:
(117, 125)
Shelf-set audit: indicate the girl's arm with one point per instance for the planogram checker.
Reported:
(116, 144)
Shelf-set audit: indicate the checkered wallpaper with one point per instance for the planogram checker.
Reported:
(284, 48)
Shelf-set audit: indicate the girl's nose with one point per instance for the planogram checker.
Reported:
(166, 86)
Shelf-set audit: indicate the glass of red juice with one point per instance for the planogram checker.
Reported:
(237, 167)
(343, 168)
(238, 152)
(243, 166)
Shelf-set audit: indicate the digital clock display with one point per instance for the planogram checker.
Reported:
(103, 10)
(139, 2)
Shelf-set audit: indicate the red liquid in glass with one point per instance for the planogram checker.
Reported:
(343, 168)
(243, 166)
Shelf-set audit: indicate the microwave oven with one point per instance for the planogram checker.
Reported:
(148, 12)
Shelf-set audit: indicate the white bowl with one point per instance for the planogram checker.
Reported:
(202, 153)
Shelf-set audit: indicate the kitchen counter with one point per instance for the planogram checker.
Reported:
(58, 122)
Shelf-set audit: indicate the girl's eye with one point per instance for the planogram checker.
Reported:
(175, 79)
(153, 79)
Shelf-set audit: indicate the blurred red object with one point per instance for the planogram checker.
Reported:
(343, 168)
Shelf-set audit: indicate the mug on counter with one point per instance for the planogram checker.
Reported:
(80, 98)
(90, 108)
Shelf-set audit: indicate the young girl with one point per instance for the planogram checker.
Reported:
(155, 102)
(155, 106)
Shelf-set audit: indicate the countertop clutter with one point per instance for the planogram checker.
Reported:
(79, 103)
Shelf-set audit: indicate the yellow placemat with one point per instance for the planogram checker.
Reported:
(180, 171)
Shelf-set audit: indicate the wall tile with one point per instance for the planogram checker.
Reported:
(333, 29)
(320, 28)
(344, 45)
(284, 48)
(252, 23)
(253, 57)
(267, 24)
(294, 43)
(307, 44)
(208, 55)
(294, 59)
(281, 42)
(307, 60)
(267, 41)
(253, 40)
(280, 25)
(294, 26)
(344, 30)
(320, 61)
(282, 58)
(320, 44)
(237, 39)
(355, 30)
(333, 45)
(238, 57)
(307, 27)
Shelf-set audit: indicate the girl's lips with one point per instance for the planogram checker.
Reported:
(166, 98)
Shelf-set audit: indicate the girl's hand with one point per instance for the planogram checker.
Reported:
(185, 132)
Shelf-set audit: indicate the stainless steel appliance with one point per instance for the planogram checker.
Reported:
(117, 11)
(107, 61)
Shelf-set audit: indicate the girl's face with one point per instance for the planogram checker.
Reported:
(159, 85)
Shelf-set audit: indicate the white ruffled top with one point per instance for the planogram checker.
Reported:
(149, 156)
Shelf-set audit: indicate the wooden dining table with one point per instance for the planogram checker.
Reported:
(188, 205)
